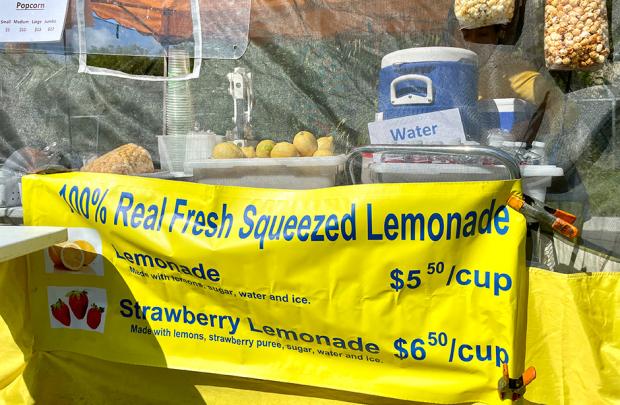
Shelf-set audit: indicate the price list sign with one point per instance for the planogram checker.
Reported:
(406, 291)
(32, 21)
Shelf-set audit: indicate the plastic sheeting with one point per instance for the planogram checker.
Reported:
(149, 27)
(315, 66)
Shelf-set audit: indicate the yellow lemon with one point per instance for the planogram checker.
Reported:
(263, 149)
(305, 143)
(283, 149)
(326, 143)
(248, 151)
(227, 150)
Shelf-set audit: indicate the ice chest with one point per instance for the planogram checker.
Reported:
(286, 173)
(422, 80)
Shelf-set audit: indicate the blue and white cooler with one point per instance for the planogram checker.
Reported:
(423, 80)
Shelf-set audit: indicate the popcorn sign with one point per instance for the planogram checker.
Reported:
(41, 21)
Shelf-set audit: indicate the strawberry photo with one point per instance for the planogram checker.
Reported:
(78, 302)
(77, 308)
(60, 311)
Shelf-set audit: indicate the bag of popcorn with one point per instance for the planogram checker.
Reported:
(481, 13)
(576, 34)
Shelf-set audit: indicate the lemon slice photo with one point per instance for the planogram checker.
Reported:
(72, 256)
(54, 254)
(90, 254)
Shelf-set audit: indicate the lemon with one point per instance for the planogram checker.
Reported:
(263, 149)
(323, 152)
(305, 143)
(227, 150)
(326, 143)
(90, 254)
(72, 256)
(283, 149)
(248, 151)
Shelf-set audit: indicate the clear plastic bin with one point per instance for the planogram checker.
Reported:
(287, 173)
(535, 178)
(177, 150)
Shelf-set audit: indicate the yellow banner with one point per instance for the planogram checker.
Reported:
(573, 337)
(401, 291)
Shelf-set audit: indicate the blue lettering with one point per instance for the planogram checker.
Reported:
(460, 280)
(177, 215)
(291, 223)
(304, 225)
(250, 209)
(371, 236)
(126, 305)
(391, 223)
(331, 225)
(497, 220)
(462, 356)
(121, 208)
(501, 286)
(435, 236)
(398, 135)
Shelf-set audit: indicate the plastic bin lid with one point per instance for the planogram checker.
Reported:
(322, 161)
(430, 54)
(464, 169)
(435, 169)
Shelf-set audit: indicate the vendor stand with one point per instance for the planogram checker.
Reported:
(309, 201)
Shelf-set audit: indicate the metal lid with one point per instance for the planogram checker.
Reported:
(430, 54)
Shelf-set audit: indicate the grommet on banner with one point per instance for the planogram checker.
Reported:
(560, 221)
(514, 388)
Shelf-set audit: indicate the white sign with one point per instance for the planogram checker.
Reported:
(443, 125)
(32, 20)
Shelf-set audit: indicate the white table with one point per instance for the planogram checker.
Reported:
(16, 241)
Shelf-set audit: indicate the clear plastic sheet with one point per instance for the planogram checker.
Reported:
(315, 66)
(149, 28)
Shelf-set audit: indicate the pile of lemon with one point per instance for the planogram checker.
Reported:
(304, 145)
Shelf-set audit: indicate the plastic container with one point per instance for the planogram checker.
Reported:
(172, 152)
(535, 179)
(179, 108)
(176, 150)
(10, 195)
(287, 173)
(366, 162)
(423, 80)
(536, 155)
(576, 34)
(199, 146)
(434, 172)
(506, 114)
(482, 13)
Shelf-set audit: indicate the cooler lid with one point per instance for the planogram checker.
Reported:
(430, 54)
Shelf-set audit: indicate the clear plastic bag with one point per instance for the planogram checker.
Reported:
(576, 34)
(481, 13)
